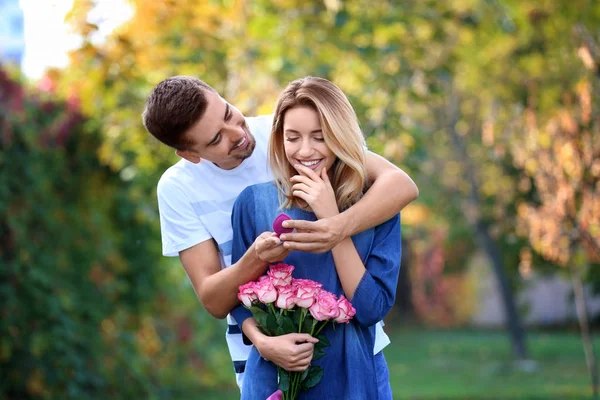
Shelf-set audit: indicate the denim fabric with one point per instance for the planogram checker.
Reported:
(383, 377)
(350, 368)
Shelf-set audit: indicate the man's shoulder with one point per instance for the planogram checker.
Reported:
(177, 175)
(260, 126)
(261, 120)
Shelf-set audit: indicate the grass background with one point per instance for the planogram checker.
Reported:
(469, 364)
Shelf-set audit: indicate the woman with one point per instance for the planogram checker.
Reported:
(315, 126)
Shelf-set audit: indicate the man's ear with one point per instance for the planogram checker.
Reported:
(188, 155)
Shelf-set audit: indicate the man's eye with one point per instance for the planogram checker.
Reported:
(216, 141)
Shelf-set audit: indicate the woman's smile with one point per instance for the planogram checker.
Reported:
(312, 164)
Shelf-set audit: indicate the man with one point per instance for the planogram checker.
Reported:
(222, 153)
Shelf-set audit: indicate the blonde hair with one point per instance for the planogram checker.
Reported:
(341, 132)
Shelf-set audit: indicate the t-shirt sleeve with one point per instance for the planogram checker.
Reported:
(242, 221)
(180, 226)
(376, 292)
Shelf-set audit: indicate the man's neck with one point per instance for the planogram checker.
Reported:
(231, 165)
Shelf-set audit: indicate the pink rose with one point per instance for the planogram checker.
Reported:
(277, 395)
(265, 291)
(347, 311)
(286, 297)
(247, 294)
(306, 292)
(281, 274)
(325, 306)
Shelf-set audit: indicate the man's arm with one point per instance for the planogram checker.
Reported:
(217, 288)
(391, 190)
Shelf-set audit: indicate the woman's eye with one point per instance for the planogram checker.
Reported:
(291, 139)
(320, 139)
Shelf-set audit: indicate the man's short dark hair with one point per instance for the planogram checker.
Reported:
(174, 105)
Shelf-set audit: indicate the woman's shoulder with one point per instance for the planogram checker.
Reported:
(365, 240)
(391, 226)
(258, 194)
(259, 189)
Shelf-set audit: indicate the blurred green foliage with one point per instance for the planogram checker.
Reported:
(88, 309)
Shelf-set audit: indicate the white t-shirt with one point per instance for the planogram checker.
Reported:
(195, 203)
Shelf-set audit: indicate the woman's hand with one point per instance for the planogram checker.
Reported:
(316, 191)
(292, 352)
(269, 249)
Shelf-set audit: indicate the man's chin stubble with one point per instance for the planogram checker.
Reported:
(247, 153)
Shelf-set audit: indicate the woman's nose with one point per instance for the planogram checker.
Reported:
(305, 149)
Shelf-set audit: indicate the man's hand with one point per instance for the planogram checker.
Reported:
(268, 248)
(315, 190)
(292, 352)
(314, 236)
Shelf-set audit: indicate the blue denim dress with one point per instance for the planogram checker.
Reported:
(351, 371)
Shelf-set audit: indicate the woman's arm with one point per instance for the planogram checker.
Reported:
(391, 190)
(371, 288)
(349, 266)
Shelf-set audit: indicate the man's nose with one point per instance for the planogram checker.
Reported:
(236, 133)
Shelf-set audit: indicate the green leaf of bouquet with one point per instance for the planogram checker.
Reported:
(295, 314)
(261, 320)
(284, 380)
(315, 373)
(261, 317)
(271, 323)
(318, 353)
(288, 325)
(265, 320)
(323, 341)
(257, 310)
(307, 324)
(304, 375)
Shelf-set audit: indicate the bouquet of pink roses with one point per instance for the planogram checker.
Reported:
(281, 304)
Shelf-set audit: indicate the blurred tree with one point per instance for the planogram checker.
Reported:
(441, 299)
(561, 154)
(85, 312)
(534, 78)
(504, 57)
